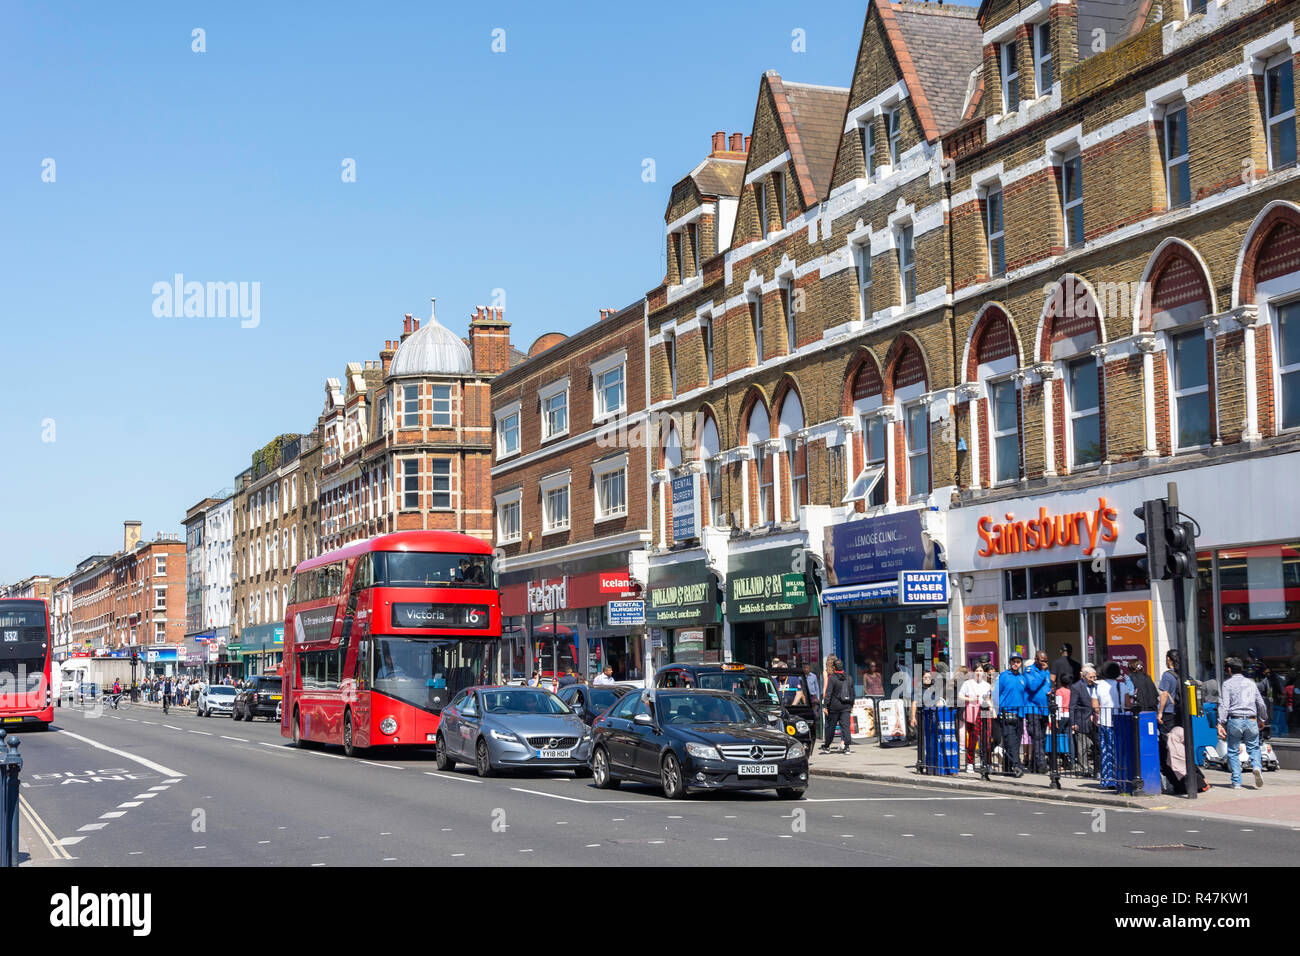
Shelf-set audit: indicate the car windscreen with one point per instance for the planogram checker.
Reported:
(422, 569)
(269, 686)
(704, 709)
(222, 692)
(755, 688)
(602, 699)
(523, 702)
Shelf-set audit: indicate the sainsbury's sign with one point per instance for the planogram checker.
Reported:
(1048, 531)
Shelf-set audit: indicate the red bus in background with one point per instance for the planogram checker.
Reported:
(26, 693)
(381, 634)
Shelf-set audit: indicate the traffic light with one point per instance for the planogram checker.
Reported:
(1180, 543)
(1153, 537)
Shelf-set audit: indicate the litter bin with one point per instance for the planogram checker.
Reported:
(1148, 749)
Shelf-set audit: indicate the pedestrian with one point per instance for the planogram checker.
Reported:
(1169, 706)
(532, 681)
(839, 705)
(1125, 683)
(1038, 684)
(971, 695)
(1066, 671)
(567, 679)
(1107, 704)
(927, 697)
(1242, 713)
(1145, 696)
(1083, 717)
(605, 677)
(1013, 701)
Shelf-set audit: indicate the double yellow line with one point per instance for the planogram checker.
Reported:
(47, 836)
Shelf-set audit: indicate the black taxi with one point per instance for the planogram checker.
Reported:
(747, 681)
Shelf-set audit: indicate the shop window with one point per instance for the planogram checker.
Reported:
(1094, 582)
(1015, 585)
(1054, 580)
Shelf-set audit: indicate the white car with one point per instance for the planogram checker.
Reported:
(217, 699)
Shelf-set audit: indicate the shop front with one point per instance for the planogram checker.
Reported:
(772, 607)
(263, 649)
(884, 636)
(683, 615)
(580, 615)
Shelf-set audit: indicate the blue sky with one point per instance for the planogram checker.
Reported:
(475, 171)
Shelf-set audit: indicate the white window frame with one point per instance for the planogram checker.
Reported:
(1068, 204)
(867, 484)
(778, 190)
(599, 470)
(160, 565)
(861, 268)
(867, 139)
(693, 230)
(1176, 394)
(449, 410)
(435, 464)
(599, 369)
(405, 476)
(912, 454)
(544, 395)
(894, 130)
(798, 483)
(1276, 63)
(550, 488)
(787, 304)
(1182, 159)
(1073, 413)
(760, 192)
(1042, 49)
(994, 197)
(706, 333)
(510, 502)
(160, 597)
(503, 416)
(407, 410)
(756, 325)
(766, 514)
(992, 386)
(1281, 371)
(670, 356)
(906, 263)
(1009, 73)
(717, 511)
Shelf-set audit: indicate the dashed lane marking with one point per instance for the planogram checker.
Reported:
(448, 776)
(144, 762)
(236, 739)
(170, 727)
(557, 796)
(201, 733)
(91, 826)
(112, 814)
(130, 803)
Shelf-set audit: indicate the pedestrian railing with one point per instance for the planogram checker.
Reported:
(1015, 741)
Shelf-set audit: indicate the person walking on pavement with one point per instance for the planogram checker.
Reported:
(166, 694)
(1038, 684)
(1242, 712)
(1107, 704)
(1013, 700)
(1145, 696)
(839, 704)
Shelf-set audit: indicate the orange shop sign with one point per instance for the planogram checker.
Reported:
(1128, 631)
(1049, 531)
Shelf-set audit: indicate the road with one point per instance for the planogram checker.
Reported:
(180, 790)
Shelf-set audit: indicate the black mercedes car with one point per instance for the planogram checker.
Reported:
(744, 680)
(589, 701)
(688, 740)
(260, 698)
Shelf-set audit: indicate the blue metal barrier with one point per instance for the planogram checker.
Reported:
(938, 741)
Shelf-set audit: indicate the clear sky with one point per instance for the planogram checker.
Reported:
(475, 170)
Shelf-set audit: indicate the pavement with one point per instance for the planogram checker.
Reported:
(1278, 802)
(136, 788)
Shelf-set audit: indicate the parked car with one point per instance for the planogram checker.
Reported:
(258, 699)
(503, 727)
(589, 701)
(752, 683)
(688, 740)
(217, 699)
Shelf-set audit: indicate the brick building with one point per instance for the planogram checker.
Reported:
(90, 586)
(569, 486)
(407, 438)
(1033, 263)
(38, 587)
(148, 596)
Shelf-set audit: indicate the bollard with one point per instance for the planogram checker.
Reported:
(11, 763)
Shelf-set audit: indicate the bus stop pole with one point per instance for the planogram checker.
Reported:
(11, 763)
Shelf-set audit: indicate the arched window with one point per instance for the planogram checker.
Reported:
(1271, 280)
(672, 447)
(1179, 300)
(758, 433)
(870, 485)
(995, 360)
(796, 450)
(1071, 328)
(707, 452)
(909, 384)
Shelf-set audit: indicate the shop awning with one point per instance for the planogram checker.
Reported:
(881, 590)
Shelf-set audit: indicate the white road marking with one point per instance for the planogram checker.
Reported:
(390, 859)
(70, 841)
(145, 796)
(556, 796)
(390, 833)
(314, 753)
(665, 841)
(91, 826)
(318, 864)
(152, 723)
(561, 823)
(263, 841)
(390, 766)
(135, 853)
(170, 727)
(203, 733)
(133, 720)
(43, 830)
(156, 767)
(896, 800)
(458, 854)
(157, 789)
(447, 776)
(204, 847)
(720, 839)
(171, 781)
(112, 814)
(968, 834)
(237, 739)
(909, 834)
(525, 851)
(130, 803)
(784, 836)
(1193, 831)
(322, 838)
(674, 817)
(590, 845)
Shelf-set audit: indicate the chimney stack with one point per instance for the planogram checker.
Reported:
(737, 142)
(489, 340)
(719, 141)
(406, 326)
(386, 356)
(747, 139)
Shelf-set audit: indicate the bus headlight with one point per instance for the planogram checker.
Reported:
(388, 727)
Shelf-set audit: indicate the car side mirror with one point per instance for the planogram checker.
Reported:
(644, 719)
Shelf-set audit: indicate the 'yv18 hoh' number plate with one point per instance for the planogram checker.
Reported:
(757, 770)
(554, 754)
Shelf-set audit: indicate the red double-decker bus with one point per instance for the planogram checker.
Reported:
(381, 634)
(26, 694)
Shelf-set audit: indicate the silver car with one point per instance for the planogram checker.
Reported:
(504, 727)
(217, 699)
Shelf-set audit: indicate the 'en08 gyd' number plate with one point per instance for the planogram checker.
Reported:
(554, 754)
(756, 770)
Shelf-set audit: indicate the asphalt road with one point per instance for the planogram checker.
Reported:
(180, 790)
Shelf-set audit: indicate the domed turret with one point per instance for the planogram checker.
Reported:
(432, 349)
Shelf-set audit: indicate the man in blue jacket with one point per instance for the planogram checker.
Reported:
(1013, 701)
(1038, 684)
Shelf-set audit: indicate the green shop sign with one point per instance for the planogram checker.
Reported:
(682, 595)
(762, 585)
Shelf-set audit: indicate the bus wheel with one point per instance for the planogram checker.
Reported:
(442, 758)
(350, 748)
(297, 728)
(482, 760)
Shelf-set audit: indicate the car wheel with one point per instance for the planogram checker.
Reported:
(670, 776)
(349, 746)
(789, 793)
(482, 759)
(441, 757)
(600, 770)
